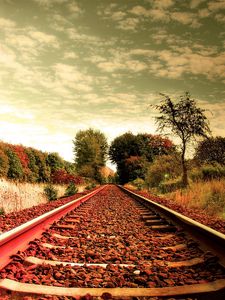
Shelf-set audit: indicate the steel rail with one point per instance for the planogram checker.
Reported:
(18, 238)
(210, 291)
(208, 238)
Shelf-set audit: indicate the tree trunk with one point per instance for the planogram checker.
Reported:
(184, 175)
(184, 167)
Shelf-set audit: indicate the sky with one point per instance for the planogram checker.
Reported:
(68, 65)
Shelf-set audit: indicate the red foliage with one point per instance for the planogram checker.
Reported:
(61, 176)
(133, 160)
(157, 141)
(24, 159)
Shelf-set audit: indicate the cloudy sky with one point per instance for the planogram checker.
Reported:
(67, 65)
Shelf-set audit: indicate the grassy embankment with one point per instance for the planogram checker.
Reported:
(15, 196)
(208, 196)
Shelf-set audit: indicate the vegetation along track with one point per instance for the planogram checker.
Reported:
(108, 245)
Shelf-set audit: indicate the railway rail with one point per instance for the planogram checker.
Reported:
(112, 244)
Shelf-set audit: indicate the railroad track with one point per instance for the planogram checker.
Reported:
(109, 245)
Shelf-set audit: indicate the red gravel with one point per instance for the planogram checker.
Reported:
(193, 213)
(110, 230)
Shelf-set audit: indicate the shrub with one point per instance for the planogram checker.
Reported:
(163, 168)
(63, 177)
(90, 186)
(138, 183)
(215, 200)
(50, 192)
(170, 186)
(71, 189)
(196, 174)
(2, 212)
(210, 172)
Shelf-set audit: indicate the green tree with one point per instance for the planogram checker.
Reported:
(15, 170)
(32, 165)
(54, 161)
(184, 120)
(211, 150)
(44, 171)
(4, 163)
(90, 148)
(132, 153)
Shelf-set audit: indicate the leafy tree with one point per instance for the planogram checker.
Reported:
(54, 161)
(44, 171)
(136, 167)
(185, 121)
(24, 160)
(90, 148)
(4, 163)
(15, 170)
(124, 146)
(132, 153)
(211, 150)
(33, 166)
(70, 167)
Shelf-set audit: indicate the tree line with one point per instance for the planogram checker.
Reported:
(154, 158)
(27, 164)
(151, 158)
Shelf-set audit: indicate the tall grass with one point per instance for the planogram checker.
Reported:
(15, 196)
(206, 195)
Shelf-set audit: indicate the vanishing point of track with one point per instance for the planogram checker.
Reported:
(112, 244)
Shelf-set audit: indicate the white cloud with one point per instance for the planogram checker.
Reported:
(44, 38)
(216, 5)
(185, 18)
(49, 3)
(140, 11)
(108, 66)
(6, 24)
(118, 15)
(70, 77)
(74, 8)
(203, 13)
(220, 18)
(163, 4)
(70, 54)
(128, 24)
(136, 66)
(196, 3)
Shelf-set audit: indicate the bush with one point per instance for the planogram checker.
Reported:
(170, 186)
(51, 192)
(196, 174)
(90, 186)
(138, 183)
(71, 189)
(215, 200)
(2, 212)
(210, 172)
(163, 168)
